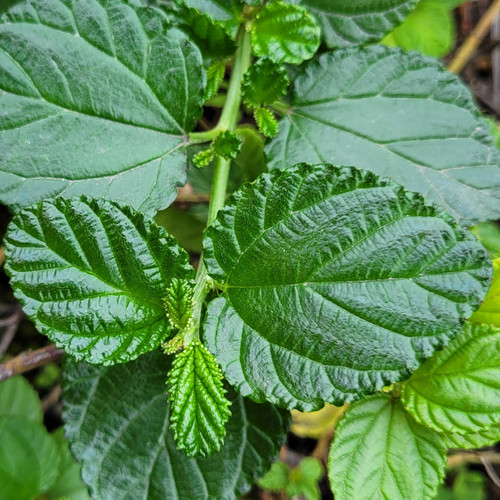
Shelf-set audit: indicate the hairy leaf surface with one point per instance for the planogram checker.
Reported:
(92, 274)
(357, 22)
(458, 389)
(399, 115)
(306, 317)
(199, 408)
(380, 452)
(96, 98)
(117, 422)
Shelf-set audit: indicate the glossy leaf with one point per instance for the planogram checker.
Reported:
(69, 482)
(285, 33)
(489, 311)
(380, 452)
(358, 22)
(458, 389)
(264, 83)
(96, 97)
(266, 122)
(18, 398)
(92, 274)
(199, 408)
(117, 423)
(28, 458)
(430, 29)
(305, 317)
(178, 302)
(399, 115)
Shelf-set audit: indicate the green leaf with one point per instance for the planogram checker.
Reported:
(358, 22)
(266, 122)
(264, 83)
(199, 408)
(285, 33)
(380, 452)
(489, 311)
(28, 458)
(458, 389)
(305, 317)
(430, 29)
(488, 234)
(469, 485)
(227, 145)
(215, 76)
(68, 483)
(399, 115)
(487, 436)
(18, 398)
(117, 423)
(224, 12)
(179, 303)
(92, 275)
(276, 478)
(96, 97)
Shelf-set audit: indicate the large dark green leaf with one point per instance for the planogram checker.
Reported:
(117, 423)
(336, 283)
(91, 274)
(96, 97)
(357, 22)
(380, 452)
(399, 115)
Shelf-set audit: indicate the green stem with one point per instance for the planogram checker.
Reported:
(228, 121)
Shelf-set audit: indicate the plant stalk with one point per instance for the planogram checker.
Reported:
(228, 121)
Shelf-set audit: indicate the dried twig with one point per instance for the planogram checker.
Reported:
(51, 398)
(2, 255)
(477, 35)
(29, 360)
(11, 325)
(192, 198)
(473, 457)
(490, 470)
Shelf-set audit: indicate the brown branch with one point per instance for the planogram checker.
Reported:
(2, 255)
(477, 35)
(12, 324)
(192, 198)
(29, 360)
(52, 398)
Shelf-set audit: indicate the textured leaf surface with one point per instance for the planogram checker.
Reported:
(92, 275)
(117, 422)
(358, 22)
(488, 436)
(489, 311)
(399, 115)
(285, 33)
(224, 12)
(266, 122)
(380, 452)
(458, 389)
(18, 398)
(28, 458)
(306, 318)
(199, 408)
(96, 97)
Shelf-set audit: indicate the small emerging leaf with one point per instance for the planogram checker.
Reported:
(264, 83)
(266, 122)
(285, 33)
(199, 410)
(227, 145)
(458, 389)
(203, 158)
(215, 76)
(179, 303)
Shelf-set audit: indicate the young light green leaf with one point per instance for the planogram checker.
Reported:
(430, 29)
(285, 33)
(69, 482)
(125, 407)
(96, 97)
(224, 12)
(344, 111)
(488, 233)
(91, 275)
(489, 311)
(264, 83)
(204, 158)
(487, 436)
(266, 122)
(227, 145)
(357, 23)
(179, 303)
(29, 458)
(18, 398)
(276, 477)
(305, 317)
(458, 389)
(199, 409)
(380, 452)
(215, 76)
